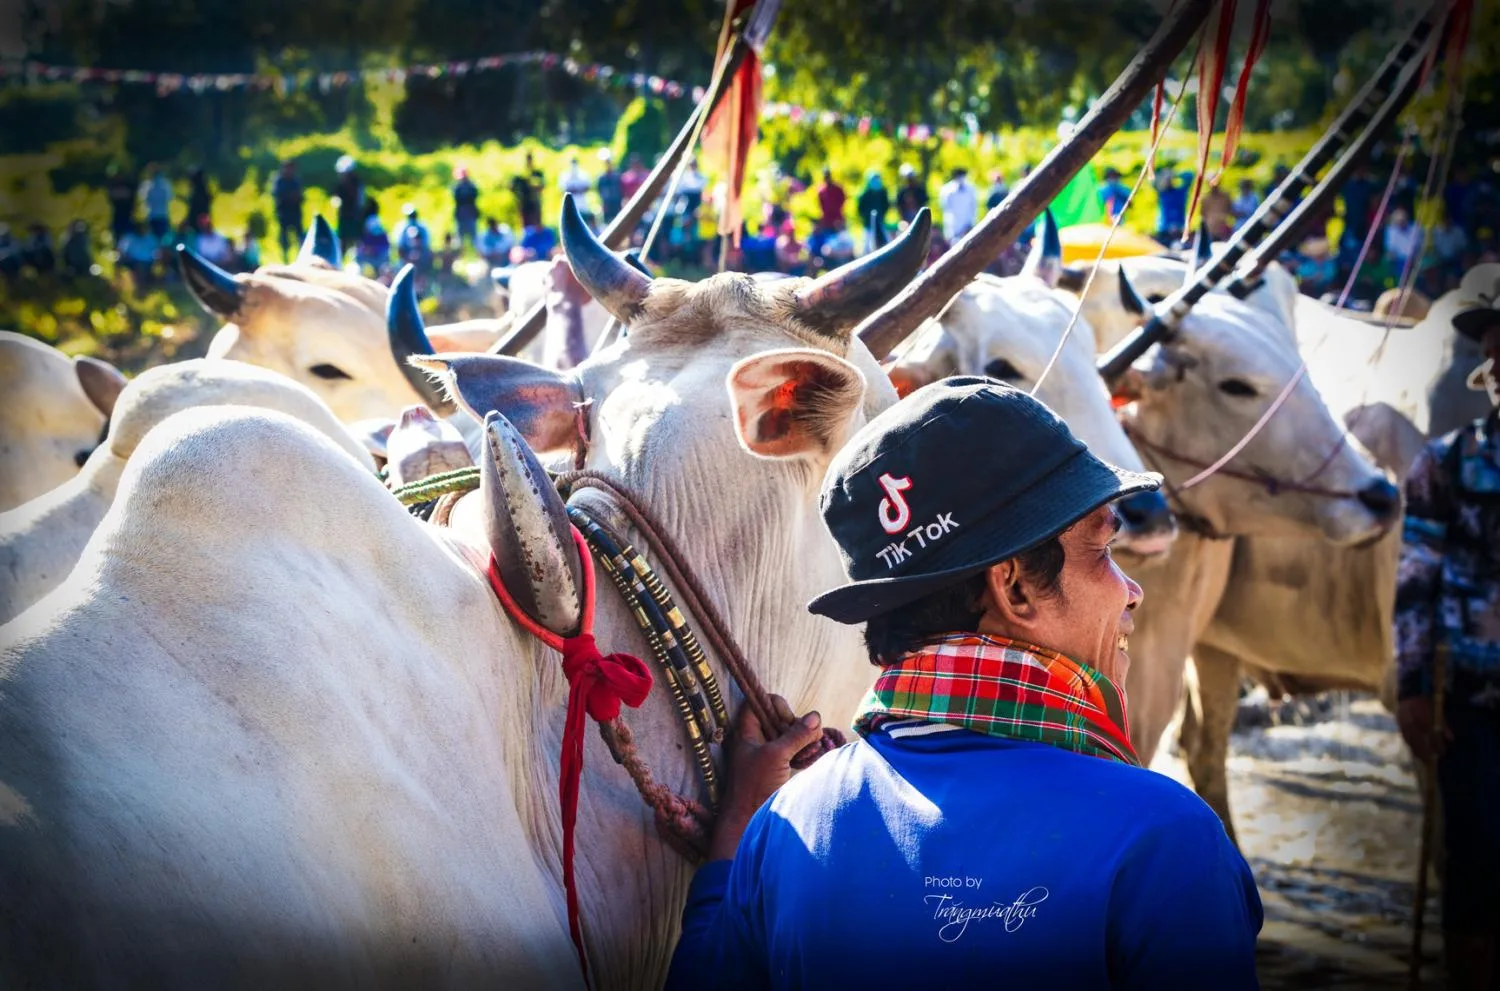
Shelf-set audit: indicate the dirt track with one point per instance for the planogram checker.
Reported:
(1329, 816)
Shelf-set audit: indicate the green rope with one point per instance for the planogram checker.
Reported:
(436, 486)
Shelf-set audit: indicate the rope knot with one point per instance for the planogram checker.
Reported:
(603, 681)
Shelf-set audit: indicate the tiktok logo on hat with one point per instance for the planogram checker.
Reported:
(895, 514)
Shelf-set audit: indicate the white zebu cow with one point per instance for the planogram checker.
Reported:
(322, 327)
(41, 540)
(52, 411)
(1008, 329)
(1332, 605)
(281, 734)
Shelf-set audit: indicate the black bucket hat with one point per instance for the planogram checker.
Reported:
(1474, 321)
(958, 476)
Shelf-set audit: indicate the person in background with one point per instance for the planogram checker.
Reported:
(1358, 196)
(1245, 204)
(526, 188)
(991, 825)
(372, 250)
(635, 174)
(248, 252)
(286, 198)
(537, 243)
(138, 254)
(1403, 240)
(576, 181)
(121, 191)
(1449, 246)
(37, 253)
(1218, 213)
(200, 198)
(448, 256)
(911, 196)
(789, 255)
(959, 202)
(212, 245)
(690, 190)
(351, 197)
(156, 193)
(610, 187)
(1278, 175)
(10, 253)
(874, 201)
(465, 206)
(414, 241)
(837, 248)
(77, 253)
(495, 242)
(831, 200)
(1317, 270)
(999, 190)
(1448, 596)
(1172, 188)
(1113, 194)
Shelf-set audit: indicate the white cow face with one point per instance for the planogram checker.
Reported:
(1008, 329)
(1199, 393)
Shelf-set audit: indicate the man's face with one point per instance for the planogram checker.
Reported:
(1088, 618)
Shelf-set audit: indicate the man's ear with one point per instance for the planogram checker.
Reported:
(1009, 596)
(795, 402)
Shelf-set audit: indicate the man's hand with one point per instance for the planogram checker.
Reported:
(757, 767)
(1414, 717)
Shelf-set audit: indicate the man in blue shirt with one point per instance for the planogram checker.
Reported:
(992, 825)
(1172, 188)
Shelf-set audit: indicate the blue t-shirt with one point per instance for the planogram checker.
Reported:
(939, 858)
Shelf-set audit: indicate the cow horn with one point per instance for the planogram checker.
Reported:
(534, 554)
(1072, 278)
(879, 236)
(216, 290)
(1130, 298)
(618, 286)
(1045, 260)
(403, 324)
(321, 242)
(837, 302)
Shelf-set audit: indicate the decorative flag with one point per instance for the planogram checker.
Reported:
(730, 131)
(1235, 125)
(1210, 85)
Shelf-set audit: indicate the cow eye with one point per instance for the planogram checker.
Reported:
(1238, 387)
(329, 372)
(1155, 297)
(1003, 370)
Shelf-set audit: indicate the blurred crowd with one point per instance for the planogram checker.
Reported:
(1376, 243)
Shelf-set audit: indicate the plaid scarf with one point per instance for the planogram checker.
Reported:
(1004, 688)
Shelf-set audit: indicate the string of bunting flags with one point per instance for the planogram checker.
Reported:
(608, 77)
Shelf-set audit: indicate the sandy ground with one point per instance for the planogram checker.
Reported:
(1329, 816)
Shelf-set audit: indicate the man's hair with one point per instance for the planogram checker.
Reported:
(956, 608)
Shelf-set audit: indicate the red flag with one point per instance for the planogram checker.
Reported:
(1210, 83)
(1235, 125)
(730, 131)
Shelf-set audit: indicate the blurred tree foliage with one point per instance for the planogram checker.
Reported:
(962, 63)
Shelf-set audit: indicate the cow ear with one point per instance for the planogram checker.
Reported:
(796, 402)
(542, 404)
(101, 382)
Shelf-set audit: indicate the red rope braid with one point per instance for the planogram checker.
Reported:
(597, 685)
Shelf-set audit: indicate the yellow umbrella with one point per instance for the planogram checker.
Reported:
(1081, 243)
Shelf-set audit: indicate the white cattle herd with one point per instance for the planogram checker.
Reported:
(261, 726)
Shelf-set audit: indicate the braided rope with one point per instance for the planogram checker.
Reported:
(434, 486)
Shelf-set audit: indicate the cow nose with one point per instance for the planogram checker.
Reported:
(1146, 512)
(1381, 498)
